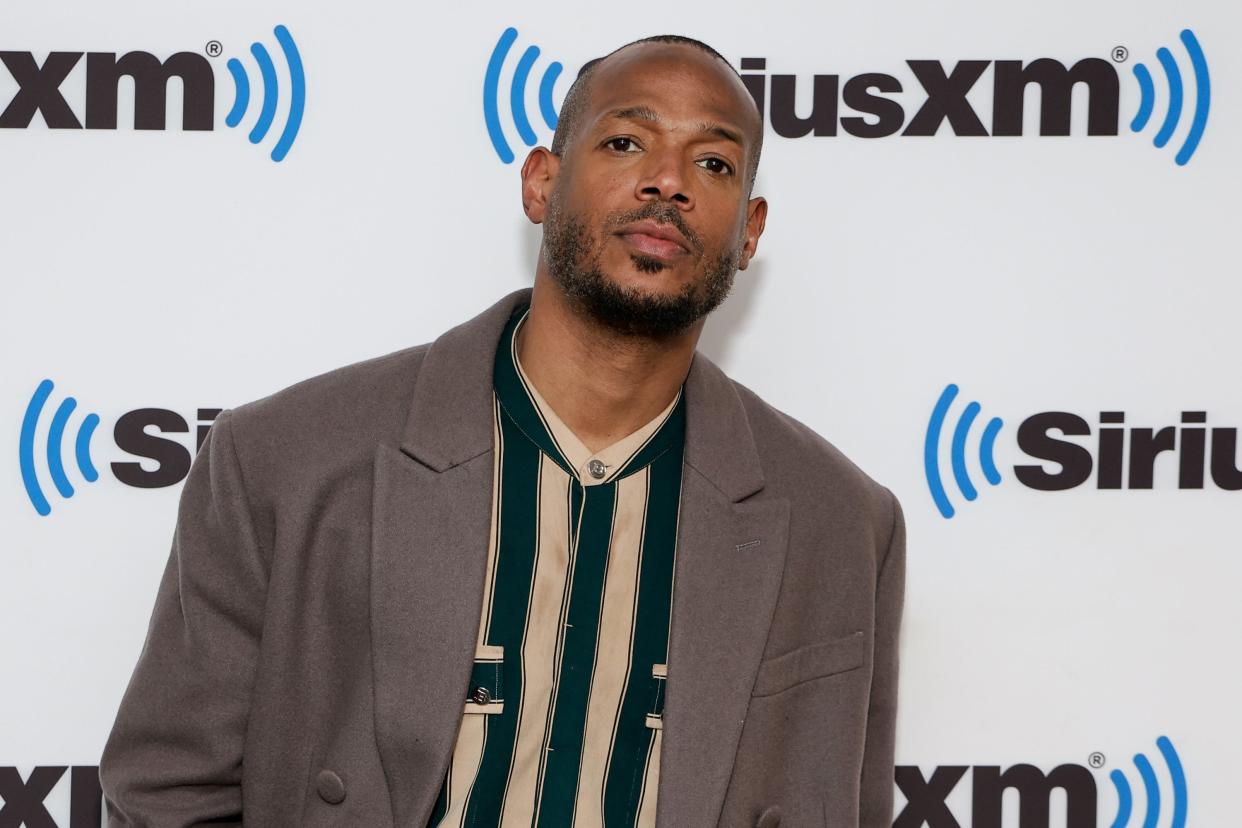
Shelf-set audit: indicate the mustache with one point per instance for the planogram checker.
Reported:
(662, 212)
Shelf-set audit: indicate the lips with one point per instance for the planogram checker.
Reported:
(661, 240)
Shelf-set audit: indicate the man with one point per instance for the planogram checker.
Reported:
(554, 568)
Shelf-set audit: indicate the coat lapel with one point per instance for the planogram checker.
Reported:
(428, 555)
(431, 502)
(730, 559)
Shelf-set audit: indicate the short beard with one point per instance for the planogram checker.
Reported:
(575, 267)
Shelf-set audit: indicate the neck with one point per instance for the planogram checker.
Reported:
(603, 384)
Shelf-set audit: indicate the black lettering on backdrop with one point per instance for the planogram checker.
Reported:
(131, 436)
(39, 90)
(755, 84)
(889, 114)
(85, 797)
(926, 799)
(206, 416)
(823, 117)
(1034, 792)
(23, 801)
(946, 97)
(1056, 87)
(1225, 471)
(1191, 455)
(1112, 450)
(1145, 445)
(1035, 440)
(104, 72)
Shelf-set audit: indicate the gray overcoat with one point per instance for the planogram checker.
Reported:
(313, 635)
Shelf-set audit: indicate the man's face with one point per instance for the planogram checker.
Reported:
(648, 219)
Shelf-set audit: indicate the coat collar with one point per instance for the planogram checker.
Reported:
(450, 417)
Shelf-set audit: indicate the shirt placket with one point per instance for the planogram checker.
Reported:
(593, 506)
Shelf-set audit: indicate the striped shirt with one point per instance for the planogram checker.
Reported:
(563, 718)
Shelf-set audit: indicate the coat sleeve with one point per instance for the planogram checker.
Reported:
(876, 795)
(174, 756)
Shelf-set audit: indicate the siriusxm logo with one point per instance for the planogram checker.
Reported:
(927, 798)
(1122, 458)
(931, 451)
(54, 447)
(1176, 805)
(39, 90)
(130, 435)
(1176, 92)
(945, 98)
(25, 801)
(864, 105)
(271, 88)
(517, 94)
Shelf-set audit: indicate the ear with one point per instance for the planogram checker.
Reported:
(538, 175)
(756, 216)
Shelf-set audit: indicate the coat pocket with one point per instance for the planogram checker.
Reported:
(838, 655)
(486, 691)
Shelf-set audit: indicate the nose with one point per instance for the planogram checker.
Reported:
(663, 178)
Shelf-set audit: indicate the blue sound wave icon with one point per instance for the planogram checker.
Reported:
(271, 93)
(957, 451)
(1173, 78)
(54, 448)
(1151, 789)
(517, 94)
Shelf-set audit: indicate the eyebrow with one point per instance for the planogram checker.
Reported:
(646, 113)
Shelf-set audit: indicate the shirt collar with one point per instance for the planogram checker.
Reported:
(536, 419)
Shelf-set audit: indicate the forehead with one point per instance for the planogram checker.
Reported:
(679, 82)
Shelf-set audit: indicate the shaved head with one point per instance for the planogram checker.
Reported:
(577, 99)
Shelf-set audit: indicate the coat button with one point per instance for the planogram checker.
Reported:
(770, 818)
(481, 695)
(330, 787)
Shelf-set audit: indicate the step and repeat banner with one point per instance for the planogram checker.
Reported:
(1000, 272)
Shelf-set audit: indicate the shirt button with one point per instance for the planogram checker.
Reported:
(597, 468)
(480, 695)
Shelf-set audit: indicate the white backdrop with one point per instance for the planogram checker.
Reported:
(186, 270)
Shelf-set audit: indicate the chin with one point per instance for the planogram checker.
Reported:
(655, 284)
(648, 264)
(639, 268)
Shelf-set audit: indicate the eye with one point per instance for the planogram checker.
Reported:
(716, 165)
(621, 143)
